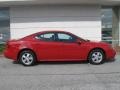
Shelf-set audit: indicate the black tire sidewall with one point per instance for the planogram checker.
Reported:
(27, 51)
(90, 57)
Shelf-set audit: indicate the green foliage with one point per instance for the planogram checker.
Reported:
(2, 47)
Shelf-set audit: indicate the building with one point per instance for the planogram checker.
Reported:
(91, 19)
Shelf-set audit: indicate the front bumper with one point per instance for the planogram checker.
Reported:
(111, 53)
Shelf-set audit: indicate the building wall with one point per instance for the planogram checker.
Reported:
(115, 26)
(84, 20)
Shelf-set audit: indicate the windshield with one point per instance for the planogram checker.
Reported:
(83, 40)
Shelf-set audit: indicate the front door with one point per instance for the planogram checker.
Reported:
(71, 50)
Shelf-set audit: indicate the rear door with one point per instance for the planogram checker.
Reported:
(47, 48)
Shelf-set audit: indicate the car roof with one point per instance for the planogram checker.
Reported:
(53, 31)
(48, 31)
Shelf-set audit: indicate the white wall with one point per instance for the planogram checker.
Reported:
(118, 29)
(84, 21)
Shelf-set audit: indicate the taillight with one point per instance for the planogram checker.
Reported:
(10, 44)
(7, 45)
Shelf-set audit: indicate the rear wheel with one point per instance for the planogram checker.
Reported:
(27, 58)
(96, 57)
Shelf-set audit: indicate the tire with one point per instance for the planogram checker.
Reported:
(96, 57)
(27, 58)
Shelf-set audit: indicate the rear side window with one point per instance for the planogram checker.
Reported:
(46, 36)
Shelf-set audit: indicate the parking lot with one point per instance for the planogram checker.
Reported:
(60, 76)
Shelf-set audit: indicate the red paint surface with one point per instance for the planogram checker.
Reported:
(56, 51)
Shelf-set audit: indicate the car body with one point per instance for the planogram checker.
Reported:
(57, 46)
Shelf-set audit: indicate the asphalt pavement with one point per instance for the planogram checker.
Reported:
(60, 76)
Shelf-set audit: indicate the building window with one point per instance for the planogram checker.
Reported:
(107, 25)
(4, 25)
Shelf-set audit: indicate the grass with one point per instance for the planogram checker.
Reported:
(2, 47)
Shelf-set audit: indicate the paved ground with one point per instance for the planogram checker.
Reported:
(64, 76)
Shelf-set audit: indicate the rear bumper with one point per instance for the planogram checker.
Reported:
(10, 55)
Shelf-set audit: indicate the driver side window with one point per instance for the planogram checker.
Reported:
(65, 37)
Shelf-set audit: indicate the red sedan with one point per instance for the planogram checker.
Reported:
(57, 46)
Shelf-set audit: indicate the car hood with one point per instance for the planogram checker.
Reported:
(93, 43)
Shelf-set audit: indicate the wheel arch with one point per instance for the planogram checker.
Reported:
(24, 50)
(96, 48)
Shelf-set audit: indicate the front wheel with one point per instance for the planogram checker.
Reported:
(96, 57)
(27, 58)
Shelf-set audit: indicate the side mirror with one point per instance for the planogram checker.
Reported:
(78, 41)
